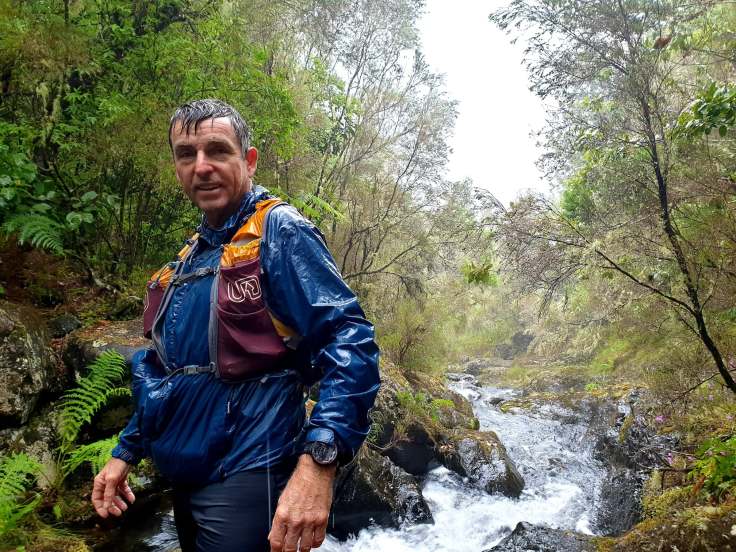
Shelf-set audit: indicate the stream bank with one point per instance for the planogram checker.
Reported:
(453, 464)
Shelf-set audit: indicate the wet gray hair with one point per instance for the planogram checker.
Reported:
(193, 113)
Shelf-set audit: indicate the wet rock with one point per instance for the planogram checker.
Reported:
(84, 346)
(39, 438)
(414, 453)
(27, 365)
(437, 427)
(375, 491)
(480, 456)
(475, 366)
(520, 342)
(540, 538)
(505, 351)
(63, 325)
(631, 449)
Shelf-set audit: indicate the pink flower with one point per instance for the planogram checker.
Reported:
(660, 419)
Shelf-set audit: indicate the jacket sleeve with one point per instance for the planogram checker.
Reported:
(304, 290)
(131, 447)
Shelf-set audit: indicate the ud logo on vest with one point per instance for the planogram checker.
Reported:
(244, 288)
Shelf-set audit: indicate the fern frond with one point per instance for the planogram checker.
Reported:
(96, 454)
(38, 230)
(313, 207)
(93, 391)
(324, 207)
(17, 473)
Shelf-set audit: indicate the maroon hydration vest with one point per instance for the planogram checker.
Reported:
(245, 339)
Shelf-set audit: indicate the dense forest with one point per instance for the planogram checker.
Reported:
(622, 278)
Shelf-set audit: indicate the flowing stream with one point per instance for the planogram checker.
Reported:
(553, 452)
(552, 448)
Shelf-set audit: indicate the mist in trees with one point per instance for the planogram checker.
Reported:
(640, 137)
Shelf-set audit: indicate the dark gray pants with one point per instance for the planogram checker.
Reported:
(233, 515)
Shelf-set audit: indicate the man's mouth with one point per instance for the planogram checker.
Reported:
(207, 187)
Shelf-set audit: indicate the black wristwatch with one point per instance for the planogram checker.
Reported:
(322, 453)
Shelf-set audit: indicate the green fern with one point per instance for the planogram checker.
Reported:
(17, 473)
(91, 394)
(38, 230)
(96, 454)
(313, 207)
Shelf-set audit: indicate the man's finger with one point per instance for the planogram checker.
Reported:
(125, 491)
(98, 492)
(305, 543)
(277, 534)
(320, 532)
(110, 486)
(120, 503)
(293, 532)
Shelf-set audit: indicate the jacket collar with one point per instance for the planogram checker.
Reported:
(223, 234)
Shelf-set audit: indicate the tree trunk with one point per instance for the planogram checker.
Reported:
(669, 230)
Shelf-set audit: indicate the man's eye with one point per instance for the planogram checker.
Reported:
(184, 154)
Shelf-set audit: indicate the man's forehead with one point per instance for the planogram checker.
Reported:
(210, 129)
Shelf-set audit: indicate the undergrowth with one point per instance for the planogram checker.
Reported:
(92, 392)
(18, 474)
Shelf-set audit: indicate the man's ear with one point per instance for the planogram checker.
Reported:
(251, 160)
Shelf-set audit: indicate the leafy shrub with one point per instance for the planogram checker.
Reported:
(17, 473)
(714, 108)
(715, 467)
(418, 405)
(91, 394)
(33, 210)
(96, 454)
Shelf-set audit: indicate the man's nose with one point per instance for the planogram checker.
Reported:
(202, 166)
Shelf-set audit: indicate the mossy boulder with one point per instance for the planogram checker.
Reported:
(692, 528)
(28, 368)
(85, 345)
(481, 457)
(422, 424)
(375, 491)
(39, 438)
(540, 538)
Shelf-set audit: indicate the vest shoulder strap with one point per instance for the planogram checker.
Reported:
(245, 244)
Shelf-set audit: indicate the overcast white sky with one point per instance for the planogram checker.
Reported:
(496, 112)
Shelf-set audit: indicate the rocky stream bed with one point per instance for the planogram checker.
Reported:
(451, 465)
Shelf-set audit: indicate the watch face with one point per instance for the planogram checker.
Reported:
(323, 453)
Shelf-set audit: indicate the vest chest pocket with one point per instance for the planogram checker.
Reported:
(247, 342)
(239, 288)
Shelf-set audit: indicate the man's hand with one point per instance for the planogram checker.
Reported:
(304, 507)
(110, 487)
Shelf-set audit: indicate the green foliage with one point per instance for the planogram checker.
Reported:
(577, 197)
(93, 391)
(715, 466)
(17, 473)
(415, 337)
(311, 206)
(95, 454)
(713, 108)
(420, 406)
(38, 230)
(483, 273)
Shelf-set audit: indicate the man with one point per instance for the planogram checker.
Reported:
(253, 312)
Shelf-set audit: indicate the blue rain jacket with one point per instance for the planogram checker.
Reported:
(198, 429)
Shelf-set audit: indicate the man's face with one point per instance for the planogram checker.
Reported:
(210, 167)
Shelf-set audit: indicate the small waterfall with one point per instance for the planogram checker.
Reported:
(553, 450)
